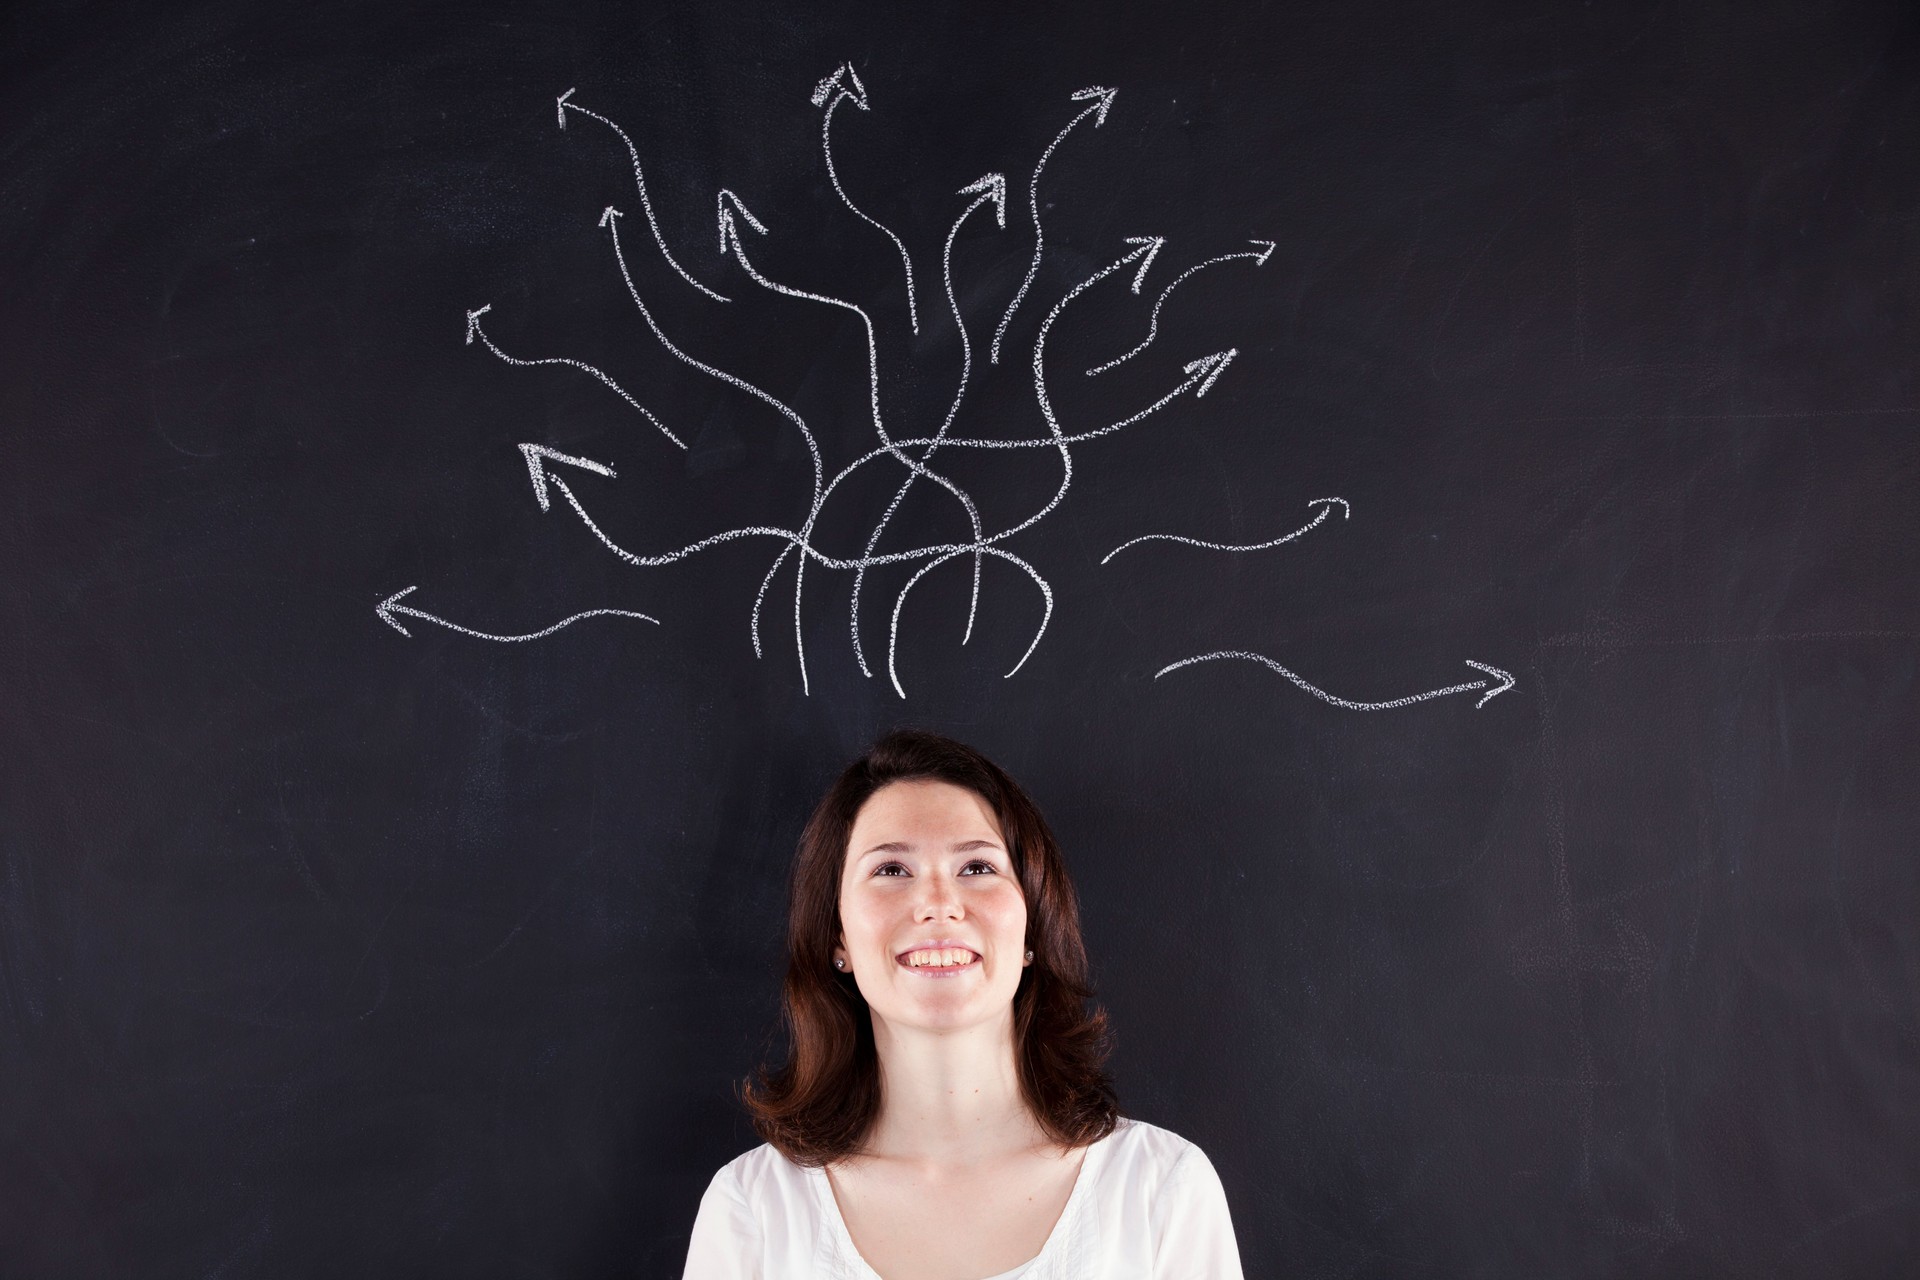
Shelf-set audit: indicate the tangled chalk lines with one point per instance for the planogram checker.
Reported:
(913, 455)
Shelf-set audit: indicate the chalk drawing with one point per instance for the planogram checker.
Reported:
(1102, 100)
(1492, 690)
(389, 607)
(844, 86)
(1153, 321)
(915, 454)
(1325, 505)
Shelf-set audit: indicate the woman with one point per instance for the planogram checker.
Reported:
(943, 1114)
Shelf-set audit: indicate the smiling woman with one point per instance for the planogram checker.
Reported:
(943, 1112)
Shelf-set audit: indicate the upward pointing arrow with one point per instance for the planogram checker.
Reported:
(1153, 245)
(725, 216)
(729, 230)
(995, 184)
(1102, 100)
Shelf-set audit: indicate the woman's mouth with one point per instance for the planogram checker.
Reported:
(940, 962)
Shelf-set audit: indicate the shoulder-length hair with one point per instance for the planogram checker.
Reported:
(818, 1106)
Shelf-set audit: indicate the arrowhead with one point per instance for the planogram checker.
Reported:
(1105, 97)
(560, 107)
(609, 215)
(1506, 682)
(1266, 251)
(1211, 367)
(727, 228)
(473, 322)
(825, 89)
(537, 469)
(1149, 246)
(996, 185)
(385, 610)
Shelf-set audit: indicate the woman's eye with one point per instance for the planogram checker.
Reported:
(888, 868)
(980, 862)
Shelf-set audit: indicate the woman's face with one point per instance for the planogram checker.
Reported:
(933, 923)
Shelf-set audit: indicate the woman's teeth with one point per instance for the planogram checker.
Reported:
(939, 959)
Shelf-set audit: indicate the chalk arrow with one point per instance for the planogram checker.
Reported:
(475, 331)
(847, 81)
(1266, 248)
(1152, 247)
(390, 606)
(844, 86)
(633, 291)
(562, 105)
(1211, 367)
(1143, 247)
(995, 185)
(1326, 509)
(725, 216)
(1101, 100)
(1506, 683)
(537, 457)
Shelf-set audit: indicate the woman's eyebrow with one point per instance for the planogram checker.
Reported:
(902, 846)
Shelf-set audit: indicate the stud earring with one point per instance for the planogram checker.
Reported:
(1029, 957)
(841, 964)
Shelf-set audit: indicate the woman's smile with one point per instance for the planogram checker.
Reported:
(942, 962)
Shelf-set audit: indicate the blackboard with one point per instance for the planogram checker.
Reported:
(337, 941)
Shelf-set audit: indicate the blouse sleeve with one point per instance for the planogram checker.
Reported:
(725, 1243)
(1192, 1230)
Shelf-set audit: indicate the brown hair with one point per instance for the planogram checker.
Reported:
(818, 1105)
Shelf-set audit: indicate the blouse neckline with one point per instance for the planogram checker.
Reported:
(830, 1209)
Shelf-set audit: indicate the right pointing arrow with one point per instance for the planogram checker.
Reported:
(1505, 682)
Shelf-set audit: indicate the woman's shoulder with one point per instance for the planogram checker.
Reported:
(756, 1172)
(1136, 1148)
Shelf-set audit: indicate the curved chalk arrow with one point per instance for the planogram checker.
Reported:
(1506, 682)
(387, 608)
(610, 222)
(1101, 100)
(475, 331)
(561, 107)
(1153, 321)
(1326, 509)
(832, 91)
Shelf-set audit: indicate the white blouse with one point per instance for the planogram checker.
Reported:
(1146, 1205)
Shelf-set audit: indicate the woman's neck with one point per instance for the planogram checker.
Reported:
(950, 1098)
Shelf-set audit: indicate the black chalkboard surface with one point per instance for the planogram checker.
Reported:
(473, 473)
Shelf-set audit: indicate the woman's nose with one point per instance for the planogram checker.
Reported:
(938, 899)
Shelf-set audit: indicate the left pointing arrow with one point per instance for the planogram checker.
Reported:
(390, 606)
(538, 469)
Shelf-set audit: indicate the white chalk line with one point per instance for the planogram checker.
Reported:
(834, 93)
(1102, 100)
(1326, 509)
(1153, 320)
(561, 107)
(611, 221)
(474, 329)
(730, 239)
(1201, 374)
(992, 187)
(1506, 682)
(388, 607)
